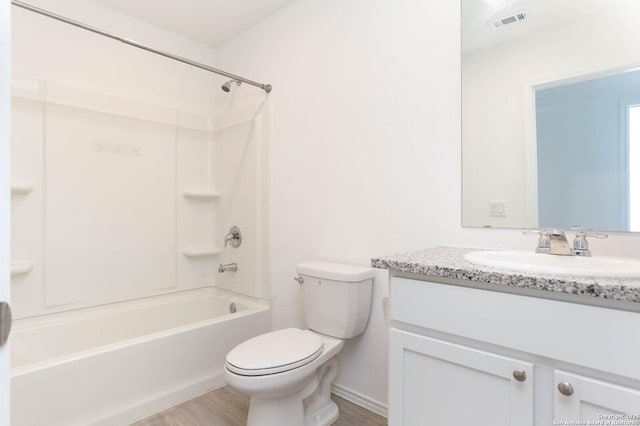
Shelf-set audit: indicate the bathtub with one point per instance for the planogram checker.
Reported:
(115, 364)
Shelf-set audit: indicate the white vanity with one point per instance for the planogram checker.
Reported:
(473, 345)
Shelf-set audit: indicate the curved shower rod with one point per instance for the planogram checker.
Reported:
(265, 87)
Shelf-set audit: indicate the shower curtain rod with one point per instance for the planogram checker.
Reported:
(265, 87)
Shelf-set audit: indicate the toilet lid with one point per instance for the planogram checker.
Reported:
(274, 352)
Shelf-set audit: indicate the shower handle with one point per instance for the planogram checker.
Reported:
(234, 236)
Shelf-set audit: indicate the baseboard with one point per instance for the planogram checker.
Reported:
(361, 400)
(182, 394)
(158, 403)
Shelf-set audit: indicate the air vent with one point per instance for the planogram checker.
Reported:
(510, 19)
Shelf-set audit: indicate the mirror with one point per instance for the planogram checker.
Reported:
(551, 114)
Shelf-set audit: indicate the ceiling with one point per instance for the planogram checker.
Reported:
(541, 15)
(211, 22)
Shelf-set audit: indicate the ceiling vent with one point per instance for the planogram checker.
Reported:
(510, 19)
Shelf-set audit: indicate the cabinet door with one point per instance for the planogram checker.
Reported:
(581, 400)
(433, 382)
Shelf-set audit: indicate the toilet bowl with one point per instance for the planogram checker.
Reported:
(280, 385)
(289, 373)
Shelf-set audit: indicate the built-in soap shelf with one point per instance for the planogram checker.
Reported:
(201, 195)
(21, 267)
(21, 188)
(201, 251)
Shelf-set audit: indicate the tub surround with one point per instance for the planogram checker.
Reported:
(449, 263)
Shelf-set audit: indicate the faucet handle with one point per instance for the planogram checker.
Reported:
(581, 245)
(598, 235)
(234, 236)
(544, 243)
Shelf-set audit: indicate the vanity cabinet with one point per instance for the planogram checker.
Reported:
(462, 355)
(434, 382)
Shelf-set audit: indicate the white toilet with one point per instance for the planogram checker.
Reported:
(289, 373)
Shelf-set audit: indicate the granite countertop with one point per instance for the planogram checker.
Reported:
(449, 262)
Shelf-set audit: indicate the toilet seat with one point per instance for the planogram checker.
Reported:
(274, 352)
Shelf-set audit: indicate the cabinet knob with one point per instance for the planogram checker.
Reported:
(565, 388)
(519, 375)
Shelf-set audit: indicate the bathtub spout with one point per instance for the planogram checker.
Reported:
(228, 267)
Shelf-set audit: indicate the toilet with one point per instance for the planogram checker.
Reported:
(288, 373)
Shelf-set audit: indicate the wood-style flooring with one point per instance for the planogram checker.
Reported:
(227, 407)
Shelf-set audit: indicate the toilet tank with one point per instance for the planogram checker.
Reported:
(336, 298)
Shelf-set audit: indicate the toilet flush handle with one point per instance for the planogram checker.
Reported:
(299, 279)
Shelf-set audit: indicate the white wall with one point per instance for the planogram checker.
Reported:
(494, 83)
(364, 160)
(365, 154)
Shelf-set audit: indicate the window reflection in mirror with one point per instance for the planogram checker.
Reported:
(547, 114)
(583, 152)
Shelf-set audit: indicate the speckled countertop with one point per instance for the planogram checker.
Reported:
(449, 262)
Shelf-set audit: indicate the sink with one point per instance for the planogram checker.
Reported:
(525, 261)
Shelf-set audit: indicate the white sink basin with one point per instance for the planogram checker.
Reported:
(525, 261)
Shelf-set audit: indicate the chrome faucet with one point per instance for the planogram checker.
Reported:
(227, 267)
(554, 241)
(234, 237)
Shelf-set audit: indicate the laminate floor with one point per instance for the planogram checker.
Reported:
(227, 407)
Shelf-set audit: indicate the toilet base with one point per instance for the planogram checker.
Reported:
(324, 416)
(309, 405)
(287, 410)
(319, 409)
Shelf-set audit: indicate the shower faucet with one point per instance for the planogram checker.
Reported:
(234, 237)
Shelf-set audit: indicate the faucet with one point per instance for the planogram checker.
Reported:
(227, 267)
(558, 243)
(554, 241)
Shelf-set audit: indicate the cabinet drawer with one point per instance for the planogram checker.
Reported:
(594, 337)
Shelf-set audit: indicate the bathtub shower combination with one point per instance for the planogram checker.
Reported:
(123, 189)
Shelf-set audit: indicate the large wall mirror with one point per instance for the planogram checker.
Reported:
(551, 114)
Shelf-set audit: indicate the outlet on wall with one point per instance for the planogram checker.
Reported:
(497, 208)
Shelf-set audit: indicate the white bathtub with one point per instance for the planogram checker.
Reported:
(115, 364)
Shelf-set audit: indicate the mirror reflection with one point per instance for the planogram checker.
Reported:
(551, 114)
